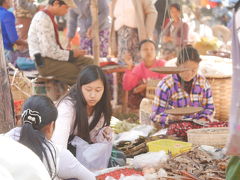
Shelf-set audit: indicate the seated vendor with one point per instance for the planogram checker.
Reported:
(182, 90)
(135, 78)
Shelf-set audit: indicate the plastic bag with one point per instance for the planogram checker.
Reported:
(117, 158)
(24, 63)
(92, 156)
(134, 133)
(150, 160)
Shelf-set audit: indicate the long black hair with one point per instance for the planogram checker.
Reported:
(188, 53)
(146, 41)
(103, 107)
(176, 6)
(38, 111)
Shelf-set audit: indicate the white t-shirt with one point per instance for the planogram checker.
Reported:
(67, 166)
(125, 14)
(17, 162)
(64, 125)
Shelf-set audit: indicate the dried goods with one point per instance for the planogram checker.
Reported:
(196, 164)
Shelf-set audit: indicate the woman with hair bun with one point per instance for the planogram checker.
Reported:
(38, 119)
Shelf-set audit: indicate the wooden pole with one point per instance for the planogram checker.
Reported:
(95, 30)
(6, 105)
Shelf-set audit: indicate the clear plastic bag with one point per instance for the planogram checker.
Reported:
(92, 156)
(150, 160)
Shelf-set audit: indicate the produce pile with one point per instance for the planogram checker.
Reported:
(117, 173)
(196, 164)
(139, 146)
(132, 149)
(122, 126)
(206, 44)
(211, 66)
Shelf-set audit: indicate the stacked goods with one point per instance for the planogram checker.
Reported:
(196, 164)
(208, 136)
(206, 44)
(122, 126)
(134, 148)
(169, 146)
(211, 66)
(139, 146)
(214, 66)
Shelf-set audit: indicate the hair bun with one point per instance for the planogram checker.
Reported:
(31, 117)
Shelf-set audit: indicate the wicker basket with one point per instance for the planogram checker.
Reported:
(151, 87)
(208, 136)
(21, 87)
(221, 89)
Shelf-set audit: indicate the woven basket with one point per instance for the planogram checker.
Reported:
(221, 89)
(208, 136)
(21, 87)
(151, 87)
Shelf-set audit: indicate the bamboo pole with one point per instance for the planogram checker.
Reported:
(95, 30)
(6, 103)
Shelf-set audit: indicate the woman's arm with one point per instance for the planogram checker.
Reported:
(207, 103)
(131, 78)
(70, 167)
(64, 123)
(160, 103)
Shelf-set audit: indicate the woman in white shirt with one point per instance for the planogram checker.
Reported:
(85, 113)
(39, 116)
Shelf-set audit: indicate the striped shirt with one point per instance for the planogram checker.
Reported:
(169, 94)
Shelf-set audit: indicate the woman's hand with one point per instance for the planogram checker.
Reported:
(128, 60)
(167, 39)
(89, 33)
(107, 133)
(140, 88)
(174, 117)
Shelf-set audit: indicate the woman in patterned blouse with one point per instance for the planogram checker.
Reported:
(181, 90)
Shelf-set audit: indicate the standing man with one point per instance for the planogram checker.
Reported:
(132, 22)
(44, 46)
(81, 17)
